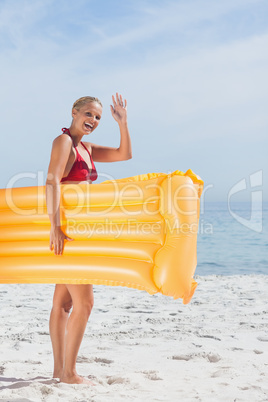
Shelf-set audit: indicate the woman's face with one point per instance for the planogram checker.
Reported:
(87, 118)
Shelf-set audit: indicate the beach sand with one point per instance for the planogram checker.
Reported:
(139, 347)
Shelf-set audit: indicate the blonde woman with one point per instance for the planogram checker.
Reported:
(72, 161)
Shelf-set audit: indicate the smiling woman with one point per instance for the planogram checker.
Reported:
(72, 162)
(88, 110)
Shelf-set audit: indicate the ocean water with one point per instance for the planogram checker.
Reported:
(232, 240)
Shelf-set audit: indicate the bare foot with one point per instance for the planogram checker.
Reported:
(76, 379)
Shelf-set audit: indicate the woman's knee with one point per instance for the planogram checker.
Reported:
(62, 307)
(62, 300)
(84, 306)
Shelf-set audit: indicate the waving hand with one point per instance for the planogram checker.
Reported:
(119, 110)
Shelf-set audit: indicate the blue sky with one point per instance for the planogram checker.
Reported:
(194, 74)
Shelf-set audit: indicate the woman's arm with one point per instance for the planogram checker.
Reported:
(124, 151)
(59, 156)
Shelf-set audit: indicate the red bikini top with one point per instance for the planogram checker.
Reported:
(80, 170)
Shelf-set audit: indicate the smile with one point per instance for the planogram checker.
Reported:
(89, 126)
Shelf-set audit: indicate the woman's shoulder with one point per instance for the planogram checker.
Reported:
(61, 144)
(62, 139)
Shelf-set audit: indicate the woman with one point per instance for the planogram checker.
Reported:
(72, 162)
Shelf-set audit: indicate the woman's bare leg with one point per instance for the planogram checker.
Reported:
(62, 304)
(83, 300)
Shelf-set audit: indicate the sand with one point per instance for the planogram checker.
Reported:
(139, 347)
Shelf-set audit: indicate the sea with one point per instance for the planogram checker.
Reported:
(232, 239)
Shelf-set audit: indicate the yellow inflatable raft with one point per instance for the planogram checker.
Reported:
(138, 232)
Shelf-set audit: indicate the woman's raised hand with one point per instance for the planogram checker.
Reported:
(119, 110)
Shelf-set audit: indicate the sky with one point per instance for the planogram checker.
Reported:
(194, 73)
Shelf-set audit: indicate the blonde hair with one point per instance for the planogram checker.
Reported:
(84, 100)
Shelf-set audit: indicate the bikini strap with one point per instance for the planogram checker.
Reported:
(67, 131)
(88, 153)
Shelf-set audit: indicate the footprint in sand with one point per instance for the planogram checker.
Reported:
(212, 358)
(102, 360)
(210, 337)
(117, 380)
(258, 352)
(17, 400)
(82, 359)
(262, 338)
(152, 375)
(223, 372)
(45, 391)
(182, 357)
